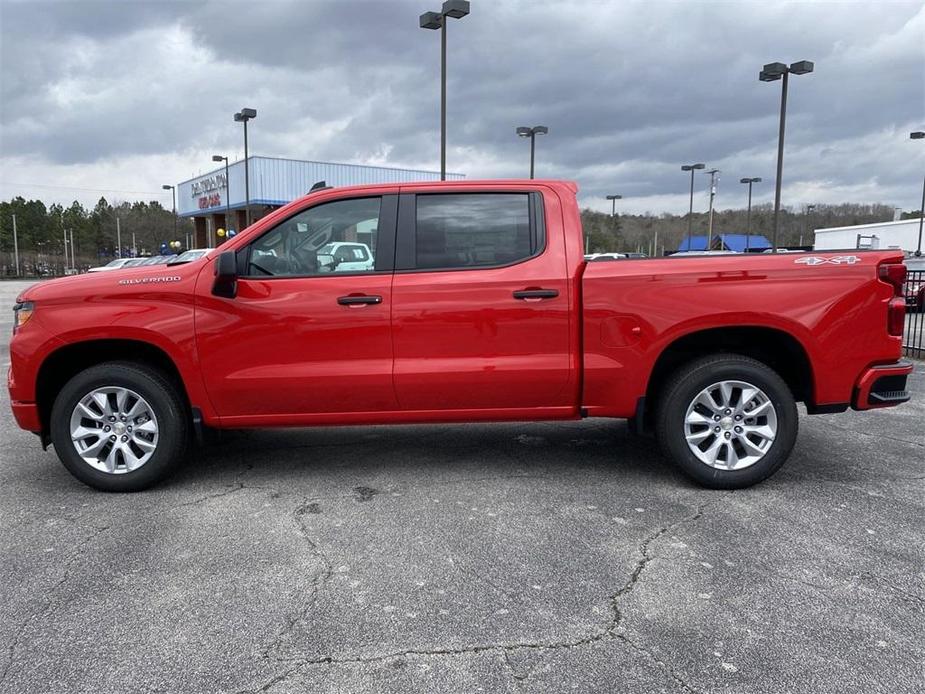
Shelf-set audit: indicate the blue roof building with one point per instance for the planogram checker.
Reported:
(726, 242)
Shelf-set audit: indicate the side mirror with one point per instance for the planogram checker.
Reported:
(226, 275)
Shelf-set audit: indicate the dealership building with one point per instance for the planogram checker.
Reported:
(216, 200)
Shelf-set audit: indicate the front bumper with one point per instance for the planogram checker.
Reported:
(26, 415)
(882, 386)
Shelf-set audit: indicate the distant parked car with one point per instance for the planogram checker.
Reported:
(346, 257)
(157, 260)
(598, 257)
(113, 265)
(915, 284)
(189, 256)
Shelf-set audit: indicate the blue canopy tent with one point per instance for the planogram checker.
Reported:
(726, 242)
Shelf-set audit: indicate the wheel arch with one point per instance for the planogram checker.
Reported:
(777, 349)
(69, 360)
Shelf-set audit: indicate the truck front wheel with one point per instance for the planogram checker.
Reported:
(119, 426)
(728, 421)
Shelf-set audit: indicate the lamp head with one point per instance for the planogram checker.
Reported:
(218, 157)
(431, 20)
(614, 197)
(540, 129)
(917, 135)
(248, 113)
(801, 67)
(166, 187)
(524, 131)
(457, 9)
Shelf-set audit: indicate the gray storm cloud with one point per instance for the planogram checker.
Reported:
(629, 91)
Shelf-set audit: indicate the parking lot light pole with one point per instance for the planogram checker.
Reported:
(219, 157)
(524, 131)
(457, 9)
(242, 116)
(613, 208)
(919, 135)
(712, 173)
(771, 73)
(748, 214)
(173, 194)
(690, 215)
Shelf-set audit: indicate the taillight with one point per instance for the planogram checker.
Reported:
(896, 318)
(895, 274)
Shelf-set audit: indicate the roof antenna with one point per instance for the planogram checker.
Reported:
(320, 185)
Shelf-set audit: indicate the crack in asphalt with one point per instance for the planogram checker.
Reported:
(610, 631)
(323, 577)
(39, 614)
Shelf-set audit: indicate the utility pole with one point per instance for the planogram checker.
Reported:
(134, 247)
(807, 210)
(16, 246)
(118, 237)
(712, 173)
(73, 252)
(65, 249)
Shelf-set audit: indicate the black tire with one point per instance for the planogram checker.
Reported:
(688, 381)
(169, 408)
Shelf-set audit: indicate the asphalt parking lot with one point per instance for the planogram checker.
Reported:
(504, 558)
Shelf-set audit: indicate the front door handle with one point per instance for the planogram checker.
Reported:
(527, 294)
(359, 299)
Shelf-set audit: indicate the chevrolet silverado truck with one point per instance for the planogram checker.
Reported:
(478, 305)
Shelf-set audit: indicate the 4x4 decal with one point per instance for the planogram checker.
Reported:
(813, 260)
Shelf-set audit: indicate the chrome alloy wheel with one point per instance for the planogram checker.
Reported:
(730, 425)
(114, 430)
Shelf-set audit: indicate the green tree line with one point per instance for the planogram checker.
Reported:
(40, 233)
(41, 229)
(631, 233)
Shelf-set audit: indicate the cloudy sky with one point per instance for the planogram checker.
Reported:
(120, 97)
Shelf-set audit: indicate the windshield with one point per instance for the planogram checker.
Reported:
(115, 263)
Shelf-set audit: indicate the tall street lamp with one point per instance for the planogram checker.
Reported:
(242, 116)
(748, 215)
(690, 216)
(219, 157)
(173, 193)
(771, 73)
(524, 131)
(613, 207)
(919, 135)
(457, 9)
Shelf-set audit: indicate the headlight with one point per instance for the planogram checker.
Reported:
(22, 312)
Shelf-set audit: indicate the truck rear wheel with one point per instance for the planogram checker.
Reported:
(727, 421)
(119, 426)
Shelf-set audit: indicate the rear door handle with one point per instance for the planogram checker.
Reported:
(359, 299)
(536, 294)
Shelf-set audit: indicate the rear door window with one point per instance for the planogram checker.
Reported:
(472, 230)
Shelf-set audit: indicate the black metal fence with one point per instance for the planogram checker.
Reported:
(914, 334)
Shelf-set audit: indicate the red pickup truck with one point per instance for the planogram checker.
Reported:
(475, 305)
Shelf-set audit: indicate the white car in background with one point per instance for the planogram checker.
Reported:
(346, 256)
(597, 257)
(113, 265)
(189, 256)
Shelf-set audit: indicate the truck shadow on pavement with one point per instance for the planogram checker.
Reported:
(288, 455)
